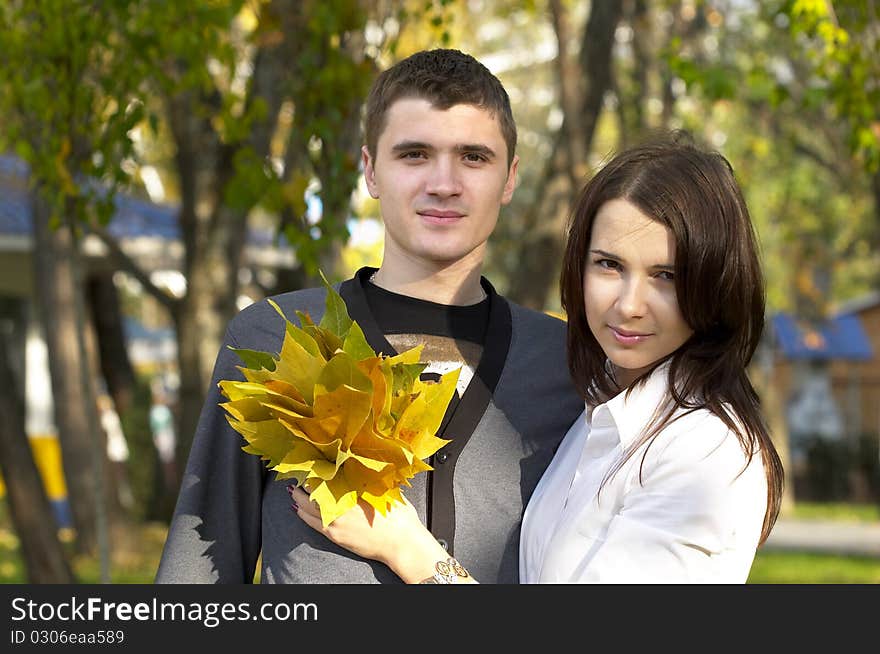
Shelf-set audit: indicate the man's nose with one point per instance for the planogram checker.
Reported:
(443, 179)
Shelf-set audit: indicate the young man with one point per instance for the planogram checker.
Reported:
(440, 158)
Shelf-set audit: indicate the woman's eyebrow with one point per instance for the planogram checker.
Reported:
(603, 253)
(611, 255)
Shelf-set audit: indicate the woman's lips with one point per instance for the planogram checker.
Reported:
(626, 337)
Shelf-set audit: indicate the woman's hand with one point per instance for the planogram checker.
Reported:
(397, 539)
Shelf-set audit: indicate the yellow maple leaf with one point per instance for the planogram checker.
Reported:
(330, 413)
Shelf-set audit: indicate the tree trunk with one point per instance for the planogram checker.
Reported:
(106, 314)
(214, 235)
(55, 289)
(571, 90)
(875, 234)
(88, 379)
(117, 498)
(29, 507)
(773, 408)
(197, 148)
(632, 91)
(542, 244)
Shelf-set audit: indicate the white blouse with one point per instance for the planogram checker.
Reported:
(693, 518)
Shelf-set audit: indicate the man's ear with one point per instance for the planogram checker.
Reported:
(369, 172)
(510, 184)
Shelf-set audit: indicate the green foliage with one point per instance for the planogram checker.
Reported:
(716, 80)
(430, 24)
(179, 40)
(775, 94)
(840, 41)
(328, 86)
(811, 54)
(252, 182)
(69, 94)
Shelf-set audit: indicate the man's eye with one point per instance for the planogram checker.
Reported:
(474, 157)
(412, 154)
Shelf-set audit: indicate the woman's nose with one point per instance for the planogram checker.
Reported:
(632, 299)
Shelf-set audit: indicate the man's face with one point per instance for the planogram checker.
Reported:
(441, 177)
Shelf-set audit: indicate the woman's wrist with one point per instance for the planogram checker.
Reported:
(415, 560)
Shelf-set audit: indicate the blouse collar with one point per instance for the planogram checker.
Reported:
(630, 412)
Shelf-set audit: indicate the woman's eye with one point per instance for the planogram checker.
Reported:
(608, 264)
(666, 275)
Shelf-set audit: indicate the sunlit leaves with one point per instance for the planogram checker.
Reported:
(840, 40)
(68, 95)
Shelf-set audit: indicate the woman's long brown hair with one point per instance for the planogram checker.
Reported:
(718, 282)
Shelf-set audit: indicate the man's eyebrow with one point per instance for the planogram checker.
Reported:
(403, 146)
(476, 148)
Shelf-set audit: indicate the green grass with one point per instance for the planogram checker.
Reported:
(132, 562)
(779, 567)
(135, 554)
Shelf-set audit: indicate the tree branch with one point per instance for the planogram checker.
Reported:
(126, 264)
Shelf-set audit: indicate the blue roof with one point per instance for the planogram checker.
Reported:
(133, 217)
(840, 337)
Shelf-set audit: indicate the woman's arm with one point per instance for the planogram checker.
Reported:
(398, 539)
(694, 516)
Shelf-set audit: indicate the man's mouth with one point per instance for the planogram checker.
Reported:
(440, 216)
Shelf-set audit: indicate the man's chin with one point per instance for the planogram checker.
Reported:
(450, 256)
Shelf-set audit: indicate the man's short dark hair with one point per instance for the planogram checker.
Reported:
(444, 78)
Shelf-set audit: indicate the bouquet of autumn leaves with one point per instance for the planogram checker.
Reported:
(343, 421)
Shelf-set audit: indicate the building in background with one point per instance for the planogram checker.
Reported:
(828, 375)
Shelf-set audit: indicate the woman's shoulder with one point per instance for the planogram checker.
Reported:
(702, 439)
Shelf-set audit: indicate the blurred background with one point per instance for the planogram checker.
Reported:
(164, 165)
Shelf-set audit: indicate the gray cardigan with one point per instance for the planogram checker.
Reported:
(504, 432)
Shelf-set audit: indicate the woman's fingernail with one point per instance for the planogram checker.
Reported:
(294, 507)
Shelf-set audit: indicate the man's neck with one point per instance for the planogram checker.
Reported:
(452, 284)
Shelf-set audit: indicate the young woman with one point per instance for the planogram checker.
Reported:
(670, 474)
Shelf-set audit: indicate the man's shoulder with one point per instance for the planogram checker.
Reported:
(262, 316)
(296, 300)
(535, 319)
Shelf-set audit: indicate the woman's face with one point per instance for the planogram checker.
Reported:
(629, 290)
